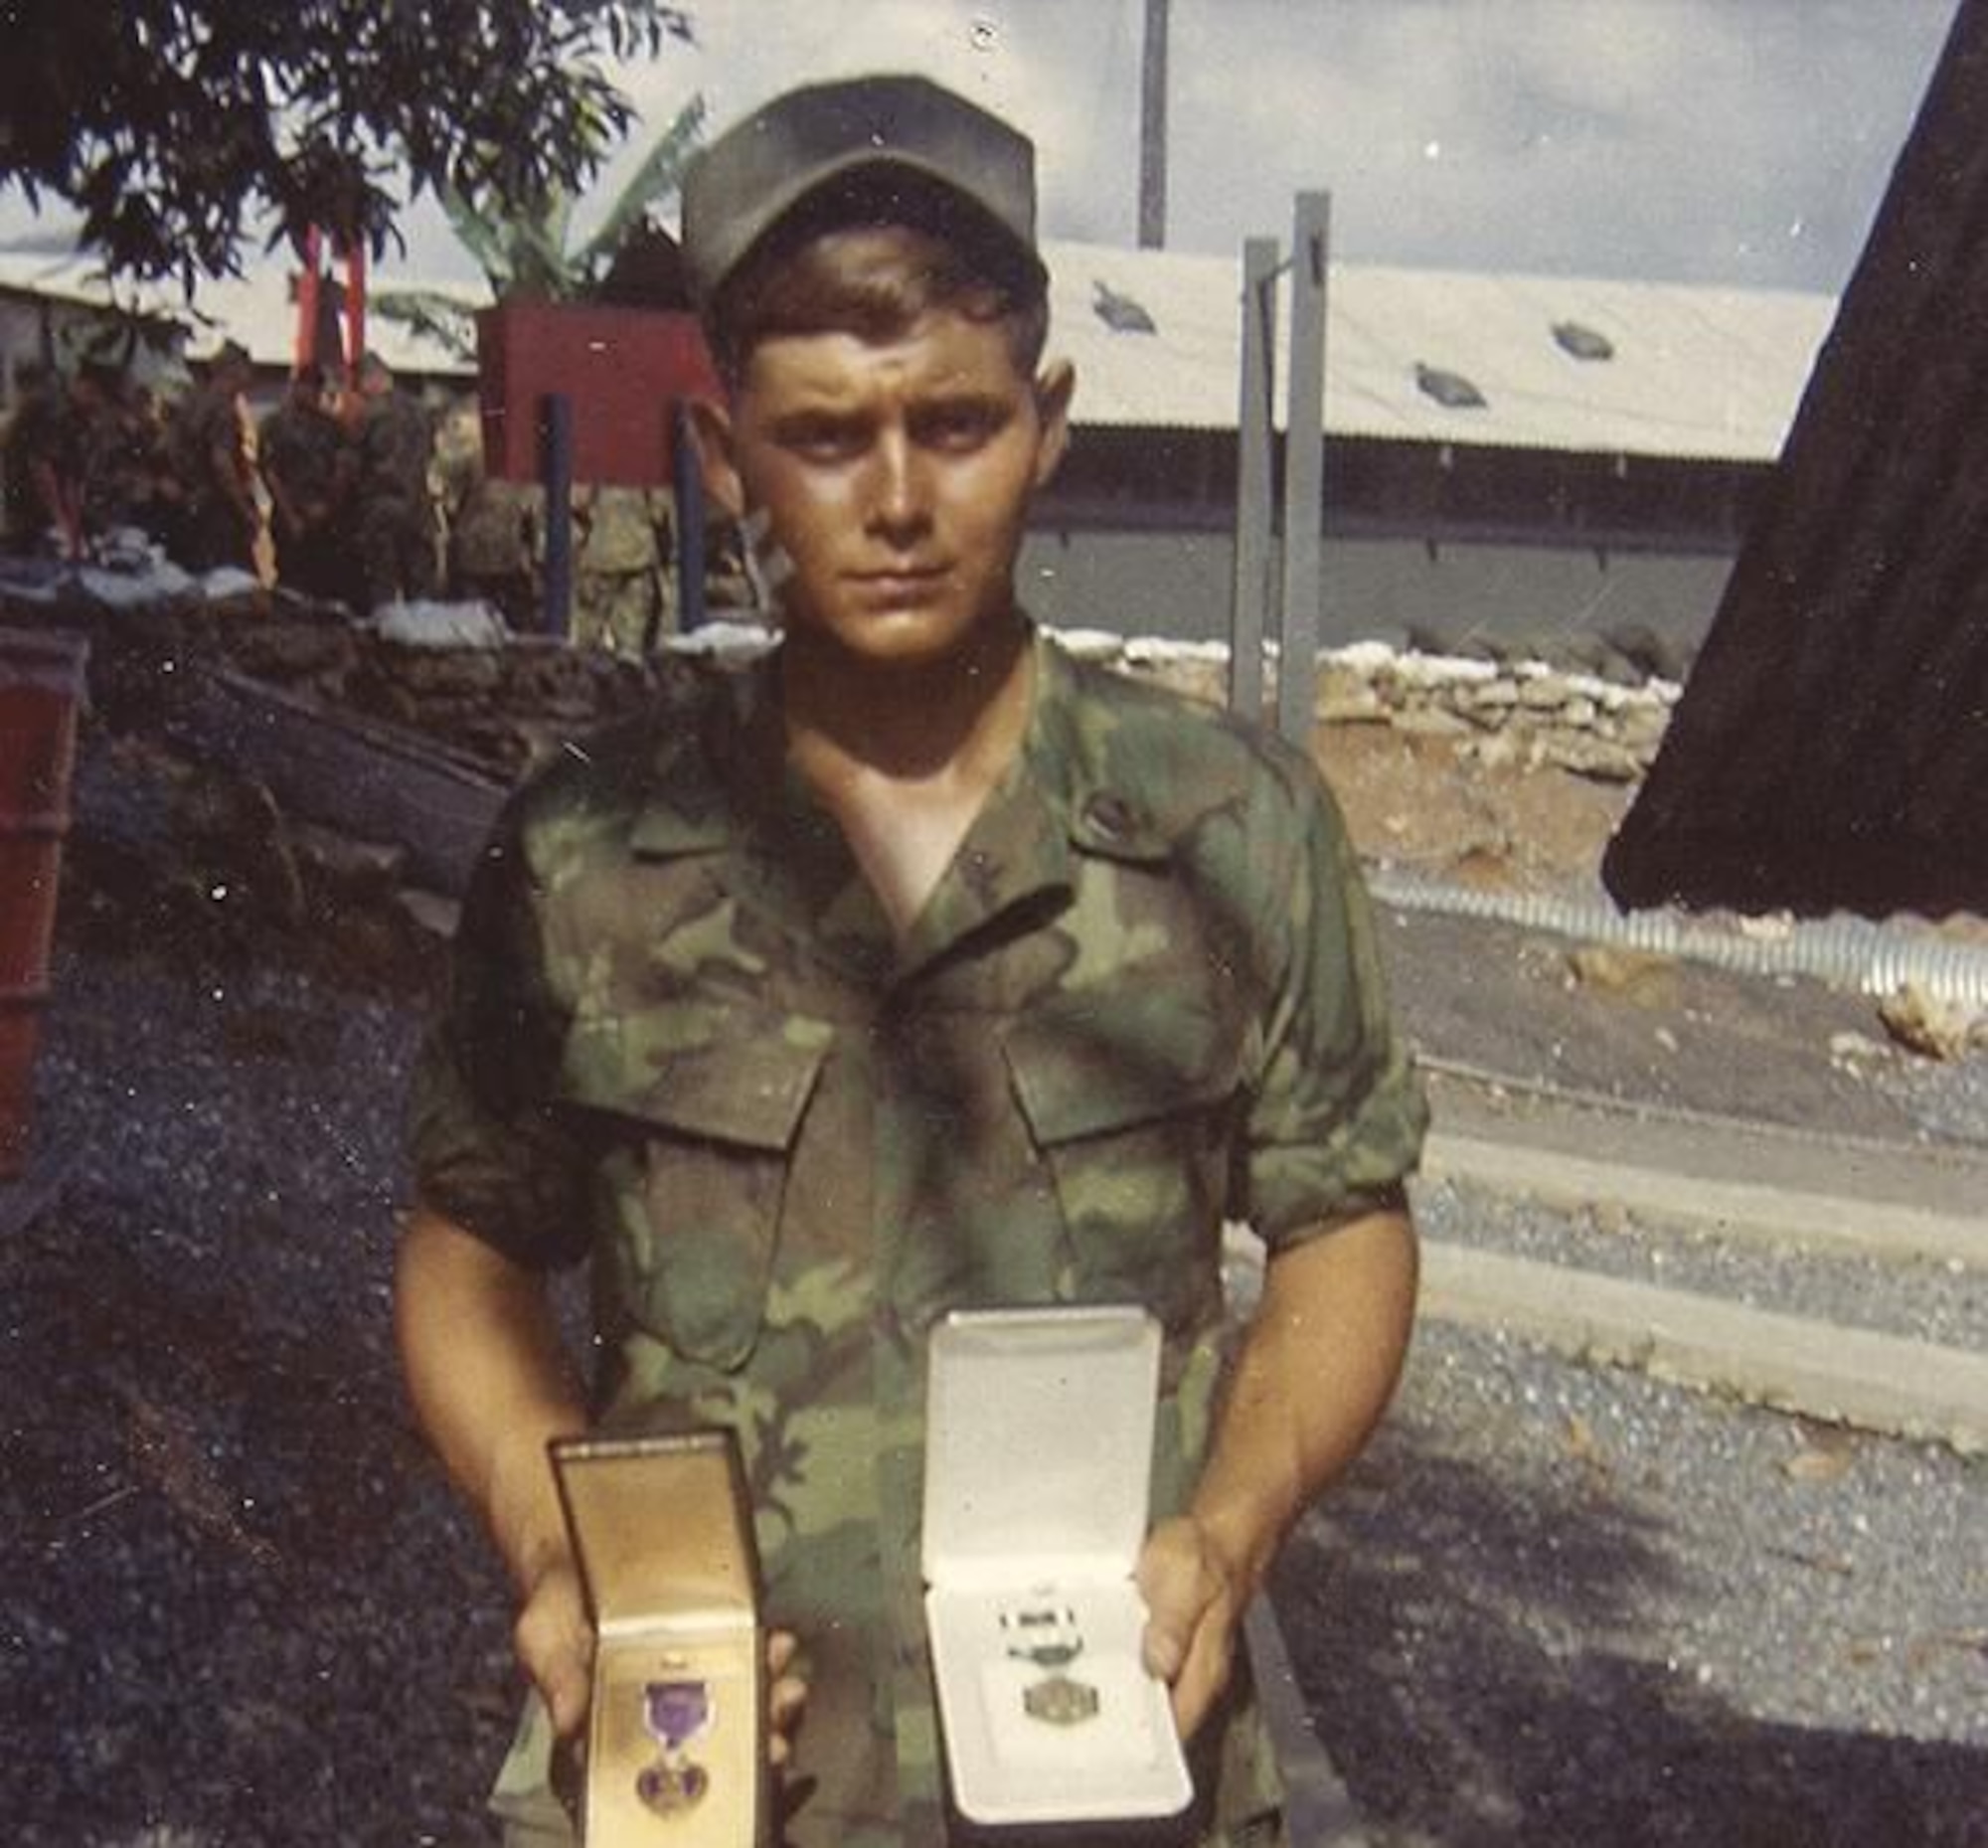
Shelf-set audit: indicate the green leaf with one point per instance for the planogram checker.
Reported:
(658, 176)
(451, 324)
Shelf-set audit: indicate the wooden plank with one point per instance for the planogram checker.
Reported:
(363, 776)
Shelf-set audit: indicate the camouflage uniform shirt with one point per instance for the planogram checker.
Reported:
(304, 448)
(208, 421)
(395, 441)
(37, 434)
(683, 1041)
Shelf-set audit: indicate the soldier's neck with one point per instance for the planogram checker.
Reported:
(960, 716)
(905, 761)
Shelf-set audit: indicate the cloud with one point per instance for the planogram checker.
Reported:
(1740, 141)
(1735, 140)
(1067, 76)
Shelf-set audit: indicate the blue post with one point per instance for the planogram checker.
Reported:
(555, 470)
(687, 480)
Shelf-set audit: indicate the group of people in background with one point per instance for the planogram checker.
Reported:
(361, 494)
(339, 477)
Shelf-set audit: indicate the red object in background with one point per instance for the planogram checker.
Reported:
(355, 309)
(305, 351)
(620, 367)
(331, 318)
(41, 686)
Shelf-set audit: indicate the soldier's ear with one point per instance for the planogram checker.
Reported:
(1053, 388)
(717, 457)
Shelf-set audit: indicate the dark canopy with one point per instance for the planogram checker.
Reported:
(1831, 749)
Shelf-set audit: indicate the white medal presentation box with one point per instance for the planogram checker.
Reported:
(1037, 1465)
(676, 1742)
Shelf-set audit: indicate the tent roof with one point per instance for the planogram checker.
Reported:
(1690, 372)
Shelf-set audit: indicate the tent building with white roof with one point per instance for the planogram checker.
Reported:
(1525, 458)
(1515, 457)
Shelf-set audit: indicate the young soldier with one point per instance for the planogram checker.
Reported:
(307, 466)
(220, 520)
(393, 518)
(917, 967)
(42, 501)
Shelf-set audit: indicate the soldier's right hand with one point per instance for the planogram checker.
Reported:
(554, 1643)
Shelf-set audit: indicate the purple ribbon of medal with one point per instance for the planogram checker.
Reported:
(674, 1713)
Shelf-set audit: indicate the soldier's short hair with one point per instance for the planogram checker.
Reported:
(872, 280)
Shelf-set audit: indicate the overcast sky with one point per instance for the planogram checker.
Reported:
(1729, 141)
(1734, 141)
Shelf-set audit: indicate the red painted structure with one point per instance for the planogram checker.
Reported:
(312, 334)
(620, 368)
(41, 687)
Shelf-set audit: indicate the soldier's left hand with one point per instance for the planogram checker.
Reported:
(1194, 1604)
(787, 1696)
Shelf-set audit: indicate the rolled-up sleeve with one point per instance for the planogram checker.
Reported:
(488, 1144)
(1337, 1114)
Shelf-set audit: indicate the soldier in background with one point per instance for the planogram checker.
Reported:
(64, 483)
(149, 493)
(209, 451)
(490, 526)
(32, 462)
(618, 558)
(93, 449)
(494, 544)
(394, 510)
(307, 466)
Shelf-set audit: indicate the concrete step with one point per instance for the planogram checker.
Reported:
(1839, 1204)
(1823, 1370)
(1733, 1180)
(1693, 1153)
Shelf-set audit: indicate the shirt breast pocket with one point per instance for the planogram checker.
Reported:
(1132, 1103)
(704, 1131)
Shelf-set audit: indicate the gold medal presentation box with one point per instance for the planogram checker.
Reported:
(1037, 1465)
(676, 1745)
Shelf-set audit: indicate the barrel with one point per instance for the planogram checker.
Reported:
(40, 689)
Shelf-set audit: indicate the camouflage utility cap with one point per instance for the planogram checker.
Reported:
(896, 136)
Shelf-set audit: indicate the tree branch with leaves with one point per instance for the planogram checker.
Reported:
(181, 128)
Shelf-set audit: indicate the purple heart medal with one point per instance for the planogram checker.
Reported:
(674, 1713)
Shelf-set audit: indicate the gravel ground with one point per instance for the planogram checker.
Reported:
(1552, 1606)
(1558, 1607)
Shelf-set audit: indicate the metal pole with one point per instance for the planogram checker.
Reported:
(688, 480)
(1304, 470)
(1153, 129)
(556, 465)
(1249, 595)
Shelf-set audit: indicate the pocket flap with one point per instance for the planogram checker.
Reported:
(726, 1077)
(1089, 1064)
